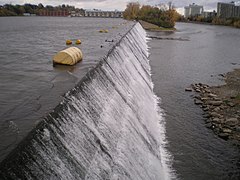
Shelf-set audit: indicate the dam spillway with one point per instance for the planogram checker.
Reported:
(108, 127)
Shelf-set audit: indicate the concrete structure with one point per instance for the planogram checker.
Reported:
(193, 10)
(107, 14)
(78, 13)
(82, 13)
(28, 14)
(228, 10)
(53, 13)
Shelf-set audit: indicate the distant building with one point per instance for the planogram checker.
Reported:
(78, 13)
(26, 14)
(107, 14)
(193, 10)
(209, 14)
(227, 10)
(54, 13)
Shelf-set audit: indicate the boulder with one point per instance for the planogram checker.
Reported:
(223, 135)
(237, 128)
(231, 121)
(214, 114)
(217, 109)
(204, 99)
(197, 90)
(215, 103)
(212, 95)
(225, 130)
(230, 104)
(217, 120)
(188, 89)
(217, 99)
(197, 102)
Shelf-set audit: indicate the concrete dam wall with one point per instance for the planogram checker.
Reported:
(108, 127)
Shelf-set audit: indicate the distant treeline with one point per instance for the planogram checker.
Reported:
(163, 17)
(227, 22)
(19, 10)
(215, 20)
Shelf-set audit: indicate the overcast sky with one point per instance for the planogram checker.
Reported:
(116, 4)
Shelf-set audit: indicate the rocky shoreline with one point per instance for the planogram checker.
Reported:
(221, 106)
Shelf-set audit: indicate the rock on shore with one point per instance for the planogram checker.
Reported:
(221, 106)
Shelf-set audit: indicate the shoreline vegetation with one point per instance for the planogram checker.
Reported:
(152, 27)
(221, 106)
(152, 17)
(19, 10)
(233, 22)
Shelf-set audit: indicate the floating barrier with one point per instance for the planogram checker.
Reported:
(69, 56)
(78, 41)
(103, 31)
(68, 42)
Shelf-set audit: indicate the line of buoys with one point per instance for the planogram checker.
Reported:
(77, 42)
(69, 56)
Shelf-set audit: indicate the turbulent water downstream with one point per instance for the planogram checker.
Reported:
(108, 127)
(207, 52)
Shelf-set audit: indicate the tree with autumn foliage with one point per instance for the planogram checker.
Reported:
(132, 11)
(155, 15)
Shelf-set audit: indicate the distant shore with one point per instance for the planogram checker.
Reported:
(221, 106)
(152, 27)
(197, 22)
(207, 23)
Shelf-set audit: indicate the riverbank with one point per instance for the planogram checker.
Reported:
(152, 27)
(198, 153)
(221, 106)
(216, 23)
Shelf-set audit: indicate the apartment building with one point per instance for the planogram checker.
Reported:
(193, 10)
(228, 10)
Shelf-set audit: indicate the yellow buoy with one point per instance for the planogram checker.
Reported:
(103, 31)
(78, 41)
(69, 56)
(68, 42)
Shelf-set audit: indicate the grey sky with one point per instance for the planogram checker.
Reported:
(116, 4)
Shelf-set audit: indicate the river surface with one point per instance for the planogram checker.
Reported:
(194, 53)
(31, 87)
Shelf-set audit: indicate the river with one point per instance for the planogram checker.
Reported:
(106, 126)
(194, 53)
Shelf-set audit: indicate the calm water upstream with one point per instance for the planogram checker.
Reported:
(207, 52)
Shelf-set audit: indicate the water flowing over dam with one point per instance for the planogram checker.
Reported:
(108, 127)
